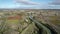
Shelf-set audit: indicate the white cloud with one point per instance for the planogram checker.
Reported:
(56, 2)
(27, 2)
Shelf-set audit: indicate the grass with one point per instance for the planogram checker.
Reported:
(12, 21)
(54, 19)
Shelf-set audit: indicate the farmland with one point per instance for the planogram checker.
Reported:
(18, 22)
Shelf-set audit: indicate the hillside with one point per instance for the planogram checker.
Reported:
(18, 22)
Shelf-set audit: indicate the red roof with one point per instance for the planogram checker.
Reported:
(14, 17)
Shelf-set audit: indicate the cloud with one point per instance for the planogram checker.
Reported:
(56, 2)
(26, 2)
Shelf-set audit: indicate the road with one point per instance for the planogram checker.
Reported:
(40, 25)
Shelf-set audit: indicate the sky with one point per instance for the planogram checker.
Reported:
(30, 4)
